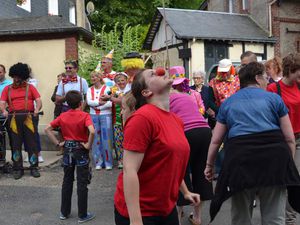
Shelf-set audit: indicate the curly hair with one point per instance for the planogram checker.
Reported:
(20, 70)
(290, 64)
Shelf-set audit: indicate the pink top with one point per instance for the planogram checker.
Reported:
(187, 110)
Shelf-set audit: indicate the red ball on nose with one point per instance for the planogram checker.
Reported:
(160, 71)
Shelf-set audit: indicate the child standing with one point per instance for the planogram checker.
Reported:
(78, 137)
(101, 112)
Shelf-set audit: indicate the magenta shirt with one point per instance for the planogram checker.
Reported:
(187, 110)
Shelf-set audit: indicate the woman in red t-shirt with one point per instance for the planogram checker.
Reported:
(156, 153)
(288, 89)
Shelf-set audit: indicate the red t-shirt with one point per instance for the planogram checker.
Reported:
(73, 125)
(291, 97)
(160, 136)
(17, 96)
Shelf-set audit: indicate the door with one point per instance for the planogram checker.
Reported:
(214, 52)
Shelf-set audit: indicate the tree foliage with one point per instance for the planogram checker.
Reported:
(122, 38)
(132, 12)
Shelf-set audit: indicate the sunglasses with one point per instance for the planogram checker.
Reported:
(69, 67)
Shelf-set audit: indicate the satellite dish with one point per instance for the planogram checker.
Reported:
(90, 7)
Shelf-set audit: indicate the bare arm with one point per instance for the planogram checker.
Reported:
(38, 106)
(192, 197)
(59, 99)
(88, 145)
(216, 141)
(51, 135)
(3, 108)
(132, 162)
(116, 100)
(287, 130)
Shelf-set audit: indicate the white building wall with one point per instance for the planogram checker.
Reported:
(197, 61)
(160, 37)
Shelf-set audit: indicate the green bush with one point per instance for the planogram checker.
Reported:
(128, 40)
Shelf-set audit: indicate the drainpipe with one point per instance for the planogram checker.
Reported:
(270, 17)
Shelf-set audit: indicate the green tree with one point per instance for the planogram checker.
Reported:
(126, 40)
(138, 12)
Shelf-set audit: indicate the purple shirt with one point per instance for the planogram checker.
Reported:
(187, 110)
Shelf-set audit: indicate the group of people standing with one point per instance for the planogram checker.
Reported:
(171, 138)
(257, 130)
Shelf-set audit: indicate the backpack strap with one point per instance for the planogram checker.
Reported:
(26, 96)
(278, 88)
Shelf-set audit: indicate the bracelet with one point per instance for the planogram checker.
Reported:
(209, 165)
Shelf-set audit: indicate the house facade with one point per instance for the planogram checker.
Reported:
(198, 39)
(43, 34)
(281, 18)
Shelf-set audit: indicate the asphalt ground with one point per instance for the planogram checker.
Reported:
(36, 201)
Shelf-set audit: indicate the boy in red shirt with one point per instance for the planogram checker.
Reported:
(78, 137)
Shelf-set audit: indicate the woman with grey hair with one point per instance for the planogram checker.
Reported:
(199, 78)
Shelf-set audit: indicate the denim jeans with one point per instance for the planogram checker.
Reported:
(78, 159)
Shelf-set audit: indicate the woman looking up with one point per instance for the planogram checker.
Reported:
(156, 154)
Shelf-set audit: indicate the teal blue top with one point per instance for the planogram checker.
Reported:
(3, 84)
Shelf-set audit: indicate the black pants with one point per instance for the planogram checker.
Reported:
(23, 132)
(171, 219)
(82, 171)
(199, 140)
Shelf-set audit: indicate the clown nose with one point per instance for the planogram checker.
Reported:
(160, 71)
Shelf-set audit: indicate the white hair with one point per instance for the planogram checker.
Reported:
(199, 73)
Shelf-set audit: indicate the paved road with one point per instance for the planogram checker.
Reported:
(31, 201)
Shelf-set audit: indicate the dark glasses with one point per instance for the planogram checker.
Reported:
(69, 67)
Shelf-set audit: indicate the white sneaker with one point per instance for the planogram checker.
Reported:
(26, 159)
(98, 167)
(108, 168)
(41, 160)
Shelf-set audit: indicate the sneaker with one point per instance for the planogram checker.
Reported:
(18, 174)
(120, 165)
(108, 168)
(26, 159)
(62, 217)
(98, 167)
(41, 160)
(88, 217)
(35, 173)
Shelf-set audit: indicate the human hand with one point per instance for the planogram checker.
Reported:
(85, 145)
(211, 113)
(5, 113)
(208, 173)
(105, 97)
(35, 112)
(193, 198)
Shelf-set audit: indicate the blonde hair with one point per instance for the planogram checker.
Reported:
(275, 63)
(129, 101)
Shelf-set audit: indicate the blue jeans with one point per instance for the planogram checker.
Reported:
(103, 140)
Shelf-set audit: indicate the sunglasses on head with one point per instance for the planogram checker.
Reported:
(69, 67)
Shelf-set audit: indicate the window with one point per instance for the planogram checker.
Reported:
(230, 6)
(245, 4)
(24, 4)
(72, 13)
(53, 7)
